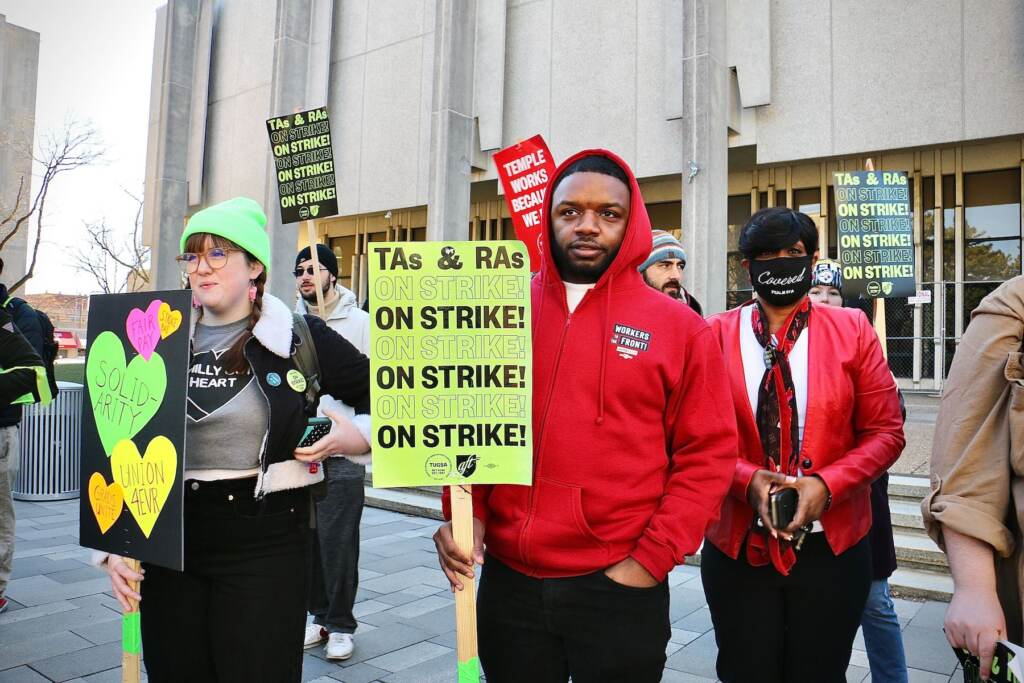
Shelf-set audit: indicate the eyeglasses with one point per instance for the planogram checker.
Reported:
(308, 270)
(215, 258)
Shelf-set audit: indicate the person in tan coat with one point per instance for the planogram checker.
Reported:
(976, 506)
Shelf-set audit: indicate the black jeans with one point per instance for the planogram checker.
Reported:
(799, 628)
(237, 612)
(587, 627)
(334, 563)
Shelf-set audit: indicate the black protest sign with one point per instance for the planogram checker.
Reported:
(133, 425)
(304, 163)
(875, 232)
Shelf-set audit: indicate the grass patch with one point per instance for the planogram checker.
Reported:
(70, 372)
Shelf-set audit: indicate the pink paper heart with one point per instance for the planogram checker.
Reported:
(144, 328)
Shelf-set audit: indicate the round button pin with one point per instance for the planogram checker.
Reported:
(296, 380)
(273, 379)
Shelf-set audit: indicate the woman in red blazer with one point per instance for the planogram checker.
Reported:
(817, 411)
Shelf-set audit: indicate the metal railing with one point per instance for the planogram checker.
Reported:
(50, 447)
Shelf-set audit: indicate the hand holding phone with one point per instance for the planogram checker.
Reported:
(782, 505)
(316, 429)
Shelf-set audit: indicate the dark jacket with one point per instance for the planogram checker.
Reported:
(344, 373)
(21, 369)
(28, 324)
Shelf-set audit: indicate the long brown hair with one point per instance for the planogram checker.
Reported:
(234, 359)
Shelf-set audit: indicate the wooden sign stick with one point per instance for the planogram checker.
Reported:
(465, 599)
(878, 313)
(131, 634)
(311, 234)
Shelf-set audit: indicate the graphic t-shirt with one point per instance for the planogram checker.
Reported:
(227, 413)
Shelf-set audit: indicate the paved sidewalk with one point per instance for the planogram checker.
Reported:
(63, 626)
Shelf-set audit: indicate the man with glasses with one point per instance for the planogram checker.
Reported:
(334, 570)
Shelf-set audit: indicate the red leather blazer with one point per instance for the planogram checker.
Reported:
(853, 430)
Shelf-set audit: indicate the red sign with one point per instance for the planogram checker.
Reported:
(525, 169)
(66, 339)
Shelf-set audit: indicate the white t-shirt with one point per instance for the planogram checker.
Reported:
(574, 293)
(753, 365)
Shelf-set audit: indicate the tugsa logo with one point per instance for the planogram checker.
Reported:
(466, 464)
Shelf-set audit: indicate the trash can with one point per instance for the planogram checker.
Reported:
(51, 447)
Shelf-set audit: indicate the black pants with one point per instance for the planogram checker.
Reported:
(334, 564)
(587, 627)
(237, 612)
(787, 629)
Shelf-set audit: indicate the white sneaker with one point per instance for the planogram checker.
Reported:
(315, 634)
(340, 646)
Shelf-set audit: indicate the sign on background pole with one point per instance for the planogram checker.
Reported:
(451, 380)
(525, 169)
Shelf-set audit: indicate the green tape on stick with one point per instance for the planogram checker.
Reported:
(131, 633)
(469, 671)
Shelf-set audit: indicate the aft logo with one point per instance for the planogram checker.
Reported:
(466, 464)
(630, 341)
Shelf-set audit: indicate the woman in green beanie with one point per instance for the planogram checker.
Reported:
(237, 612)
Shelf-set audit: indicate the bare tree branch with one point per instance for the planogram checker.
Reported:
(112, 263)
(75, 146)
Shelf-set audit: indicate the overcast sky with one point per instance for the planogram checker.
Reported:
(95, 61)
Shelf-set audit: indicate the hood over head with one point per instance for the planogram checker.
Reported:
(636, 242)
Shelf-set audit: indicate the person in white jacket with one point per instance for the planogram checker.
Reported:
(334, 568)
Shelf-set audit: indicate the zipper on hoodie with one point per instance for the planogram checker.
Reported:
(543, 432)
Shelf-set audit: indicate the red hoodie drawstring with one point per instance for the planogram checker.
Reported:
(604, 350)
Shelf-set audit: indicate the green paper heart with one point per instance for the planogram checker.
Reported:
(124, 396)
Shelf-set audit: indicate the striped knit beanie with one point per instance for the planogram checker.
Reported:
(665, 246)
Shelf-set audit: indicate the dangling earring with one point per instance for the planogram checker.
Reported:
(252, 290)
(195, 302)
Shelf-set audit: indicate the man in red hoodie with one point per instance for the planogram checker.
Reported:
(634, 449)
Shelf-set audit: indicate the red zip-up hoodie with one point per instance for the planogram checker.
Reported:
(633, 429)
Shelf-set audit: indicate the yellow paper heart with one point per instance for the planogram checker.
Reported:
(169, 320)
(146, 480)
(106, 501)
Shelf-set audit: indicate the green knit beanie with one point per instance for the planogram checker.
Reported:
(240, 220)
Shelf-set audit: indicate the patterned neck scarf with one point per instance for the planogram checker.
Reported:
(778, 422)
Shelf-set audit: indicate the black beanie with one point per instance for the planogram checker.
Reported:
(327, 258)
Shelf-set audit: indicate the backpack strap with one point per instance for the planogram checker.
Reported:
(306, 360)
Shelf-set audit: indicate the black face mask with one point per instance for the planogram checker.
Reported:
(781, 281)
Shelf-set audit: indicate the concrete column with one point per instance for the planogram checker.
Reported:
(451, 125)
(166, 199)
(705, 175)
(288, 87)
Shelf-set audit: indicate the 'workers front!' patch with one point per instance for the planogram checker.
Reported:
(630, 341)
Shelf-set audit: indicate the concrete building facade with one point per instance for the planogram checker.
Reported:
(19, 70)
(720, 106)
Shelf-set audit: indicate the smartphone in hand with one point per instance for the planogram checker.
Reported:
(316, 429)
(782, 505)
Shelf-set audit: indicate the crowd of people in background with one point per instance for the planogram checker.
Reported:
(760, 437)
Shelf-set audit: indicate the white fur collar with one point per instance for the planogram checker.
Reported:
(274, 328)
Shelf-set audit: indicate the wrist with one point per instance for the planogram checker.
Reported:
(828, 493)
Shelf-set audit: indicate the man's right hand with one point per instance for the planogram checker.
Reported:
(453, 561)
(759, 492)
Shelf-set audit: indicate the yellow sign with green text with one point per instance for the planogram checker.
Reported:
(450, 363)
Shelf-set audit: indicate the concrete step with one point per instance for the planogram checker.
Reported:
(908, 487)
(919, 551)
(906, 515)
(408, 501)
(921, 584)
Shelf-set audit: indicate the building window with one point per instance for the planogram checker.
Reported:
(991, 226)
(738, 282)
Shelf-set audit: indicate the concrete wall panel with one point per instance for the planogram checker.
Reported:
(994, 61)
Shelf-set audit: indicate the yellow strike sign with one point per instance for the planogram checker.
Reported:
(146, 480)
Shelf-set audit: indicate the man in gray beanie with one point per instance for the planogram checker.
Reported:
(334, 569)
(663, 269)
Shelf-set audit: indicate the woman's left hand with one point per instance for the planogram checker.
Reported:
(343, 438)
(811, 504)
